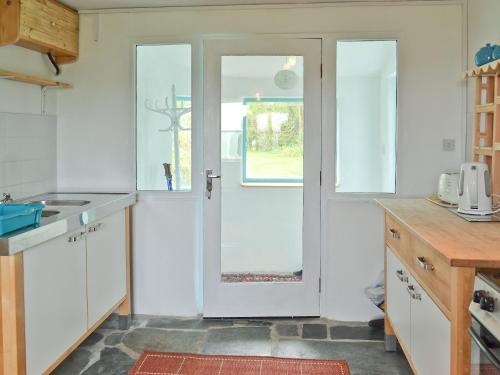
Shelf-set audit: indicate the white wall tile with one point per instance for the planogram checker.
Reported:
(28, 154)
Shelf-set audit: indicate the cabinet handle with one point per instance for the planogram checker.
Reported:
(393, 233)
(72, 239)
(414, 295)
(425, 266)
(400, 275)
(95, 228)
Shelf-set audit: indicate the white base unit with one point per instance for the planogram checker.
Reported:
(55, 299)
(106, 265)
(422, 328)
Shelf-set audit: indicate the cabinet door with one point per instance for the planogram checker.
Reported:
(106, 265)
(431, 335)
(55, 299)
(398, 299)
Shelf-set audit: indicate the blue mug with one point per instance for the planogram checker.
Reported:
(484, 55)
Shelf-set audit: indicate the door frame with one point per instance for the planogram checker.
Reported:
(211, 280)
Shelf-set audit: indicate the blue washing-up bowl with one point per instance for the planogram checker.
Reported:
(484, 55)
(14, 216)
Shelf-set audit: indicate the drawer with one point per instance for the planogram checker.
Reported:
(398, 238)
(50, 25)
(432, 271)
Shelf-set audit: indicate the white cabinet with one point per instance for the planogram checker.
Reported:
(399, 306)
(422, 328)
(55, 298)
(106, 265)
(431, 335)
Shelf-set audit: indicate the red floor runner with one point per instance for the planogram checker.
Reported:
(151, 363)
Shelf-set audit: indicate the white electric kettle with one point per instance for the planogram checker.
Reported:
(474, 189)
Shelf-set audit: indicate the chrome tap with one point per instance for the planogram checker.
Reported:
(6, 198)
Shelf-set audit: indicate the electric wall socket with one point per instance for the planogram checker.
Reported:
(448, 144)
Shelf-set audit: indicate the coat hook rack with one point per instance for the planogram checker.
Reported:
(174, 113)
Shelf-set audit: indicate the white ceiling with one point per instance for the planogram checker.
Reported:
(120, 4)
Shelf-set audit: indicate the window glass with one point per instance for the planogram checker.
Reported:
(163, 110)
(366, 116)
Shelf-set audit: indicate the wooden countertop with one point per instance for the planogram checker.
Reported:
(461, 243)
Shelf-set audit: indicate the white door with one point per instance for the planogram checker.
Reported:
(106, 265)
(398, 299)
(262, 126)
(430, 335)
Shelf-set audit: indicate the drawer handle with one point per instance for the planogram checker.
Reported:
(393, 233)
(400, 275)
(414, 295)
(425, 266)
(72, 239)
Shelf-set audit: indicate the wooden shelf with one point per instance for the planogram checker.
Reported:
(485, 108)
(26, 78)
(490, 69)
(497, 146)
(487, 151)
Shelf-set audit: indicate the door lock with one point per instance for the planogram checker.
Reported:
(209, 176)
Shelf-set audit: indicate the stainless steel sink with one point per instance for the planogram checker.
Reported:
(49, 213)
(64, 202)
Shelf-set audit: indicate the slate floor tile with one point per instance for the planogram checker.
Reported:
(114, 338)
(93, 339)
(239, 341)
(287, 330)
(112, 362)
(74, 363)
(160, 340)
(356, 333)
(364, 358)
(314, 331)
(196, 324)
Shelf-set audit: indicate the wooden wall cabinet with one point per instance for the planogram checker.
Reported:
(41, 25)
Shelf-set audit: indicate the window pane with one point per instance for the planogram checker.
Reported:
(163, 110)
(273, 140)
(262, 123)
(366, 116)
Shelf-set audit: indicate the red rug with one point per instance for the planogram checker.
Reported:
(151, 363)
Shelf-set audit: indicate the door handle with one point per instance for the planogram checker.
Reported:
(209, 174)
(400, 275)
(414, 295)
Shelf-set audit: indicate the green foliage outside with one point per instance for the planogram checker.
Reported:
(275, 153)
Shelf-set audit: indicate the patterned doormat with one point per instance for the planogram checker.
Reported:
(189, 364)
(259, 277)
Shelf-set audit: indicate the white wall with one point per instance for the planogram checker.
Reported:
(483, 27)
(167, 229)
(27, 139)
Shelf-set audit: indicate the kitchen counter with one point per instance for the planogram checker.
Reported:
(68, 219)
(458, 242)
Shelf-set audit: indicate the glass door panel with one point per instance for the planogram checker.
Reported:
(262, 161)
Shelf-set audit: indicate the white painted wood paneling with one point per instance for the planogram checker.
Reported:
(430, 335)
(55, 300)
(106, 265)
(398, 299)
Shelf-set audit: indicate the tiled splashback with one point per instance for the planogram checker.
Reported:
(28, 154)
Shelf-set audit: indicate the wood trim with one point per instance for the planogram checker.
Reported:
(34, 80)
(13, 345)
(126, 307)
(10, 19)
(403, 347)
(388, 328)
(82, 338)
(462, 286)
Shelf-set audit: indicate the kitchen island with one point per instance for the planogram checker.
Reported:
(61, 280)
(432, 257)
